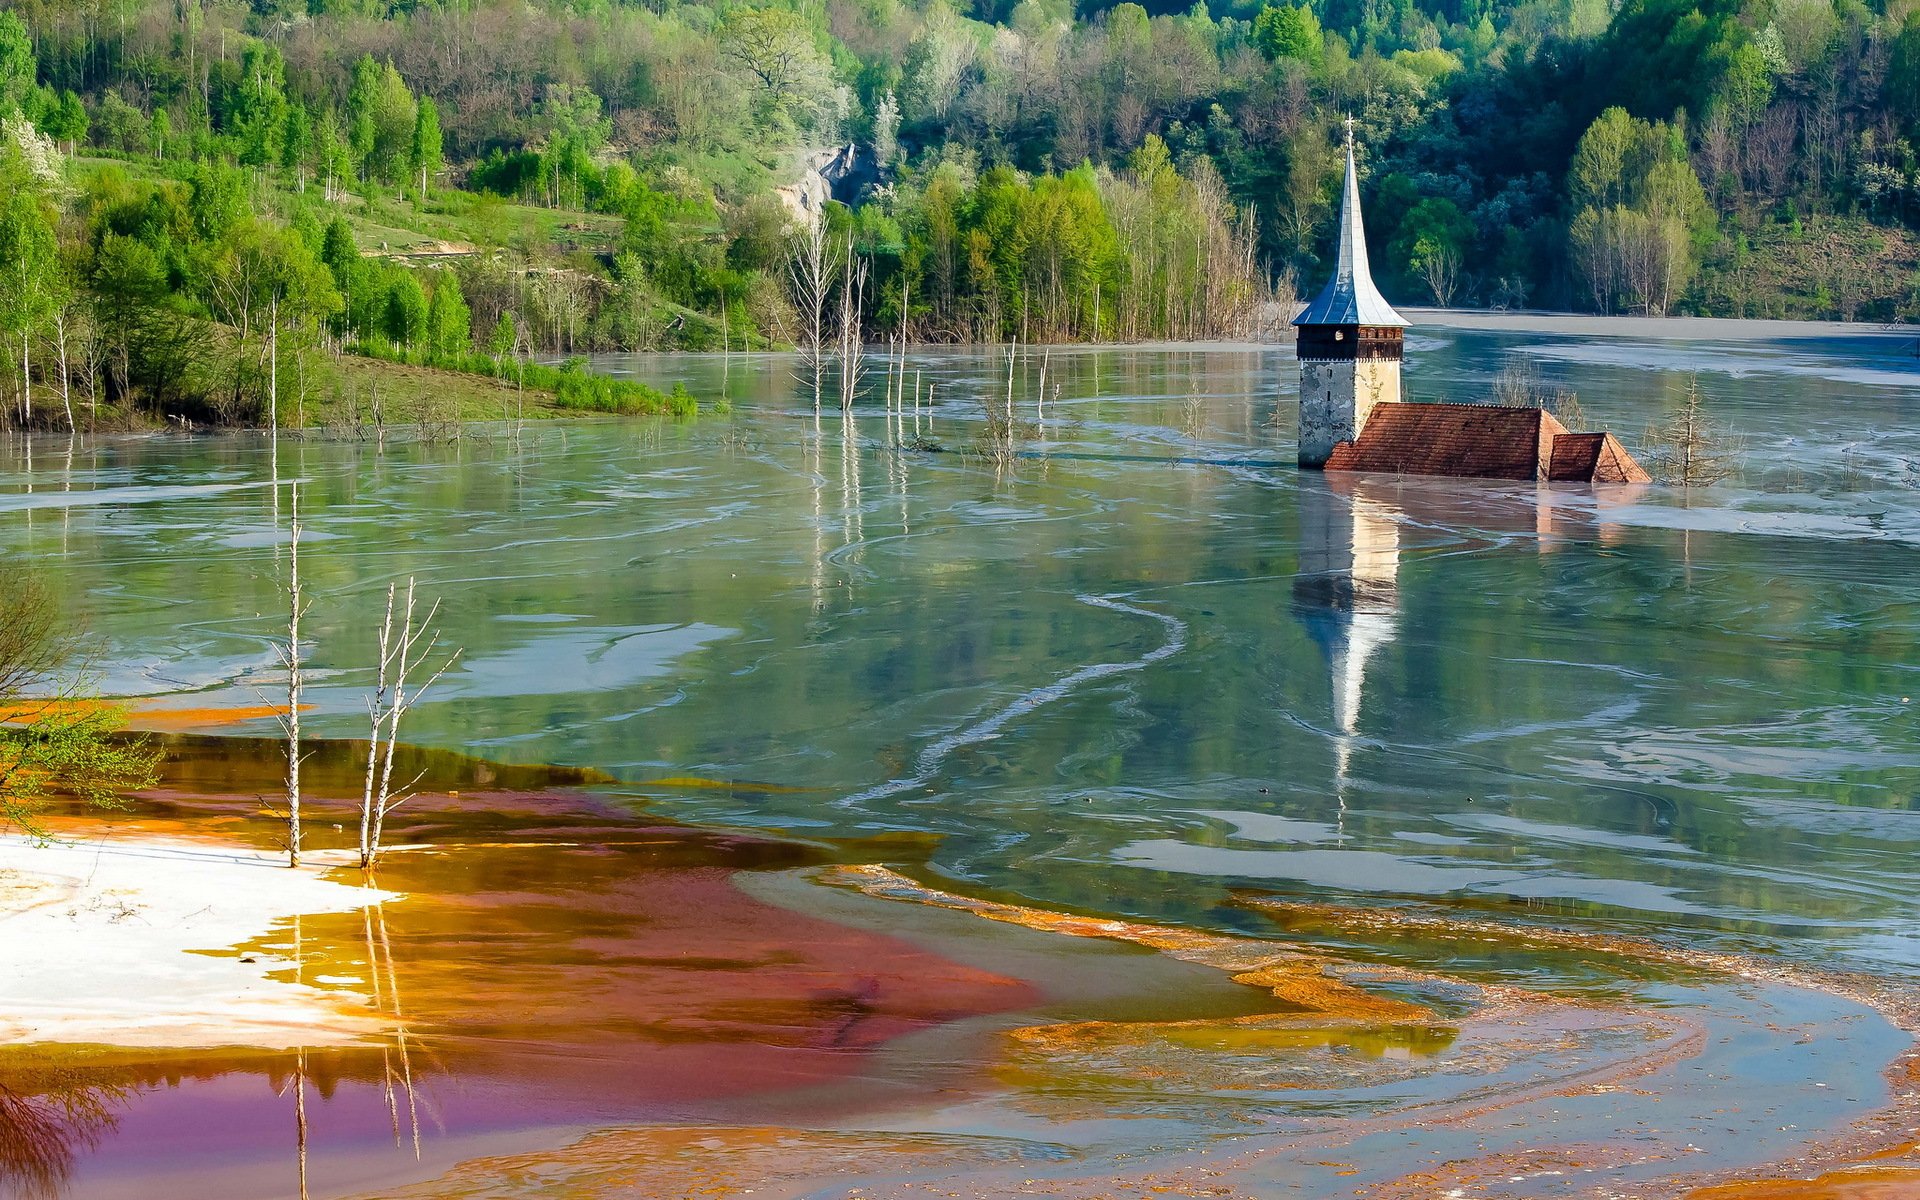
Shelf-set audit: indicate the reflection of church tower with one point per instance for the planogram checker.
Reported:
(1349, 344)
(1347, 594)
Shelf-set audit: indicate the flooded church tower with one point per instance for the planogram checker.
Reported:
(1349, 344)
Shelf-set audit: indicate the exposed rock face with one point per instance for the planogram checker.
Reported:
(836, 173)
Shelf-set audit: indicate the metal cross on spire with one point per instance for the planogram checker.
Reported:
(1349, 124)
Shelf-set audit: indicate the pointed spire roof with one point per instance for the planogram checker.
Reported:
(1350, 297)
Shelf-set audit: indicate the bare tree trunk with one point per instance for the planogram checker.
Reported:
(294, 606)
(273, 369)
(905, 293)
(398, 658)
(853, 288)
(60, 336)
(813, 264)
(377, 709)
(396, 706)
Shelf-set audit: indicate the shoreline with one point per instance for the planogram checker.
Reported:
(133, 940)
(1720, 329)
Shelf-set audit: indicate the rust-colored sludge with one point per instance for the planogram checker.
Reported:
(555, 960)
(1863, 1183)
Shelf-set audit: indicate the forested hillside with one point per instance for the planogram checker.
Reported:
(192, 188)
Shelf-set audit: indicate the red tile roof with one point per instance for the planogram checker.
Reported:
(1475, 440)
(1482, 441)
(1593, 458)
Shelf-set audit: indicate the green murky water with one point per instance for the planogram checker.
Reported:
(1144, 663)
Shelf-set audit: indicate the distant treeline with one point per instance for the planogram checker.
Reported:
(606, 174)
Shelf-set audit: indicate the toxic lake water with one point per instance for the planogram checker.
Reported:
(1141, 669)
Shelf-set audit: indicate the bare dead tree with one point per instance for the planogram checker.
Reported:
(900, 387)
(1690, 448)
(1439, 268)
(60, 335)
(853, 347)
(813, 266)
(1520, 385)
(401, 653)
(290, 657)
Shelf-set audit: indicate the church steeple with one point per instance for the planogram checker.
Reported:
(1349, 343)
(1350, 297)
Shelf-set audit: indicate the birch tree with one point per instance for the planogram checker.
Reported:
(291, 657)
(29, 270)
(403, 650)
(853, 347)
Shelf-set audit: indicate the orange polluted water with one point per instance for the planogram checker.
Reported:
(1866, 1183)
(554, 964)
(576, 1000)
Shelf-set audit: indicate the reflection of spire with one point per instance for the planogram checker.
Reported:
(1347, 595)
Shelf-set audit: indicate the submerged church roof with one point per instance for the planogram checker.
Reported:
(1350, 297)
(1483, 441)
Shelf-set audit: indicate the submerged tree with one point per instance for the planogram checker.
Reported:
(853, 346)
(814, 263)
(291, 656)
(1689, 448)
(402, 650)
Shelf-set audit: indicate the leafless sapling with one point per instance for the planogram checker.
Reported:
(853, 347)
(1690, 448)
(813, 266)
(290, 657)
(401, 653)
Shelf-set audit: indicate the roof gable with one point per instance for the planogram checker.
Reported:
(1594, 458)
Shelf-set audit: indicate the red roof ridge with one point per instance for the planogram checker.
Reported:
(1482, 441)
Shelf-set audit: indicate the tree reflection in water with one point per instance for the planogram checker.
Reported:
(47, 1120)
(396, 1056)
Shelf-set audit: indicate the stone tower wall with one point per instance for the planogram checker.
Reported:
(1337, 397)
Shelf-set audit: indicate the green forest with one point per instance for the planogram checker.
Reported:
(214, 210)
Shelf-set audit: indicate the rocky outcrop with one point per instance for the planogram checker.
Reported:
(837, 173)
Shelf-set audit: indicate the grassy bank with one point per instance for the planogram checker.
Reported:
(1816, 267)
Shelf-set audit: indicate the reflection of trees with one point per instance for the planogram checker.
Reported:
(45, 1124)
(300, 1070)
(396, 1057)
(396, 1054)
